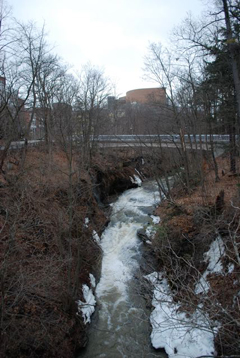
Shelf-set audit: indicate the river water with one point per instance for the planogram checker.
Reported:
(120, 326)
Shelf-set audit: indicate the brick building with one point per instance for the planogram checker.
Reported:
(147, 96)
(141, 111)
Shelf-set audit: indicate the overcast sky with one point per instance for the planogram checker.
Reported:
(111, 34)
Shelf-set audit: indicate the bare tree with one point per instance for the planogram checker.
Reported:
(231, 16)
(212, 37)
(161, 66)
(94, 89)
(49, 82)
(18, 97)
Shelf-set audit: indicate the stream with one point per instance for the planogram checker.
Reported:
(120, 326)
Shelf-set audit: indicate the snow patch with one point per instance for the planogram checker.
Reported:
(155, 219)
(92, 280)
(96, 237)
(150, 231)
(136, 180)
(230, 268)
(88, 307)
(86, 222)
(213, 257)
(179, 335)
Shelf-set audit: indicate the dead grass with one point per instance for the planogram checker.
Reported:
(192, 223)
(39, 245)
(205, 195)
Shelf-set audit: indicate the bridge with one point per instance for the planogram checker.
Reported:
(171, 140)
(150, 140)
(161, 137)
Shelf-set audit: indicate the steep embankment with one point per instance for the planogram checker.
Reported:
(197, 250)
(49, 213)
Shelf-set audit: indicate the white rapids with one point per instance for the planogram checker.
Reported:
(121, 328)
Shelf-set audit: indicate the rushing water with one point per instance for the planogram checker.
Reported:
(120, 327)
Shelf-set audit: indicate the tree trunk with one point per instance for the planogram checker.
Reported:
(232, 53)
(232, 150)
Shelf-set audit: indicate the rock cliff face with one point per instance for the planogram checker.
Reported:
(114, 181)
(47, 249)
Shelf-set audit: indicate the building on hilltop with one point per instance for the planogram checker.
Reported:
(111, 103)
(149, 96)
(141, 111)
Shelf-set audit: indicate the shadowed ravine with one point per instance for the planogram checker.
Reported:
(120, 327)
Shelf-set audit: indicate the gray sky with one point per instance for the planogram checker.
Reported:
(111, 34)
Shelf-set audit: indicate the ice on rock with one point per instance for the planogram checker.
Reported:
(88, 307)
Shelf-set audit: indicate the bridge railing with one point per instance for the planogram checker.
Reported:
(160, 137)
(138, 138)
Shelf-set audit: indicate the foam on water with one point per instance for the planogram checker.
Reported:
(119, 241)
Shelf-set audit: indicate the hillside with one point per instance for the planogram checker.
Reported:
(49, 213)
(197, 250)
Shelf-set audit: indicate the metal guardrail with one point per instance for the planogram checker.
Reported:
(21, 143)
(158, 137)
(131, 138)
